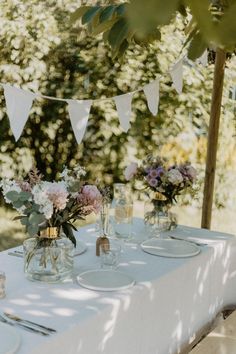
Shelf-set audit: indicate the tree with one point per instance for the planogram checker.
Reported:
(209, 26)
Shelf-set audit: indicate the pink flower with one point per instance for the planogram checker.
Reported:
(57, 194)
(90, 197)
(130, 171)
(25, 186)
(191, 172)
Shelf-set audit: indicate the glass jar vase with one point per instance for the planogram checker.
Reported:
(48, 257)
(157, 216)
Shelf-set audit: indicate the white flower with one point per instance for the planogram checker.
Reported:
(9, 186)
(131, 170)
(174, 176)
(40, 197)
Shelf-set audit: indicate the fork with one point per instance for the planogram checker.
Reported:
(21, 320)
(21, 325)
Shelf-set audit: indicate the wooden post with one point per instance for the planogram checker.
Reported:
(213, 132)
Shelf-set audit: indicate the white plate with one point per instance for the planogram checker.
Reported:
(105, 280)
(170, 248)
(9, 339)
(80, 247)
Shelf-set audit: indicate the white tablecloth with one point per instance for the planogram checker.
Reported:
(171, 301)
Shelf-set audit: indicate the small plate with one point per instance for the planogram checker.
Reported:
(80, 248)
(9, 339)
(105, 280)
(170, 248)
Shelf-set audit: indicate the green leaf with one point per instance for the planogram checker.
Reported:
(197, 47)
(182, 10)
(151, 15)
(89, 15)
(25, 221)
(12, 196)
(118, 33)
(24, 196)
(107, 13)
(36, 219)
(103, 27)
(66, 227)
(79, 13)
(18, 204)
(123, 47)
(32, 230)
(121, 9)
(203, 17)
(227, 28)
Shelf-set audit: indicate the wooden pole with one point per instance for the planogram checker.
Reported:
(213, 133)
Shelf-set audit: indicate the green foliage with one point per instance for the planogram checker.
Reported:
(41, 52)
(214, 23)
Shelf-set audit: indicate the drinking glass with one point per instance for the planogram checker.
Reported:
(110, 256)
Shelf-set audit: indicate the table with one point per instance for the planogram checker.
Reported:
(171, 302)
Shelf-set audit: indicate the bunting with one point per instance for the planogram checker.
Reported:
(79, 114)
(152, 94)
(176, 74)
(19, 103)
(123, 106)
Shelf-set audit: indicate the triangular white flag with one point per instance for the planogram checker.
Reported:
(176, 74)
(123, 106)
(79, 113)
(204, 58)
(152, 94)
(18, 105)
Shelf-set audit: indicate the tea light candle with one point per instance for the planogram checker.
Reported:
(2, 284)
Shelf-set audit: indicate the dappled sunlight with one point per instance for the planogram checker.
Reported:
(74, 294)
(21, 302)
(33, 296)
(65, 312)
(110, 324)
(38, 313)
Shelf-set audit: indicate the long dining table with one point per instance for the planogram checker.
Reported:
(163, 313)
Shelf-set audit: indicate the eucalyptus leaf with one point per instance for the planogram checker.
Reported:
(12, 196)
(24, 196)
(32, 230)
(36, 219)
(18, 204)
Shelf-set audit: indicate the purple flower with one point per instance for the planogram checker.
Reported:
(153, 173)
(153, 182)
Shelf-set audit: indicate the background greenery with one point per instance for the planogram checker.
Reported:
(41, 51)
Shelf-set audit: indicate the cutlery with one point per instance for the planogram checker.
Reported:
(21, 325)
(16, 254)
(21, 320)
(191, 241)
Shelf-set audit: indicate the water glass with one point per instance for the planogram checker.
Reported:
(110, 256)
(2, 284)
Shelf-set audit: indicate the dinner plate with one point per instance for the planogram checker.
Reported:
(80, 247)
(105, 280)
(9, 339)
(170, 248)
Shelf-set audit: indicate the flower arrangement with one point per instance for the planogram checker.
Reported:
(45, 204)
(167, 181)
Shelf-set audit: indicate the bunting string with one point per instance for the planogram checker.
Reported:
(19, 103)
